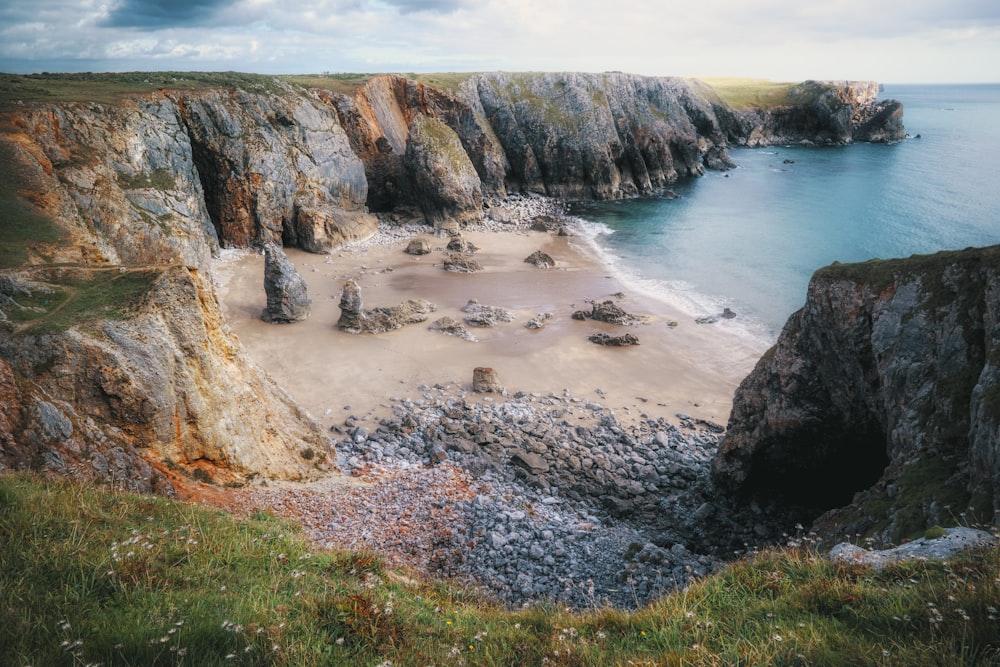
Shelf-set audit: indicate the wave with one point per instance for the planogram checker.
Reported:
(677, 294)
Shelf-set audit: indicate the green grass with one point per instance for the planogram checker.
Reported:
(67, 297)
(90, 576)
(111, 87)
(160, 179)
(741, 93)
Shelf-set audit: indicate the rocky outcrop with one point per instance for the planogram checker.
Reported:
(540, 259)
(354, 318)
(610, 312)
(885, 383)
(115, 369)
(596, 136)
(276, 169)
(287, 295)
(447, 188)
(825, 113)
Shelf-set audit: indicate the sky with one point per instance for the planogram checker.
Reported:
(891, 41)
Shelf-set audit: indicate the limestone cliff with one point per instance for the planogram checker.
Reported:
(106, 369)
(824, 113)
(884, 385)
(114, 354)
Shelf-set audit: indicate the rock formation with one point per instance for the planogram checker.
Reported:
(624, 340)
(824, 113)
(151, 374)
(540, 259)
(610, 312)
(461, 263)
(459, 243)
(355, 319)
(452, 327)
(287, 298)
(886, 383)
(486, 381)
(481, 315)
(418, 246)
(163, 178)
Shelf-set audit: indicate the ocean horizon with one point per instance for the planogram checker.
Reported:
(750, 238)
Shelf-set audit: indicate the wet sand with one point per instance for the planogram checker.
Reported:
(689, 368)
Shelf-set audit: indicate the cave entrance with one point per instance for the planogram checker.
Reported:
(822, 469)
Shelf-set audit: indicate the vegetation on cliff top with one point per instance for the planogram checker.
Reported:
(103, 577)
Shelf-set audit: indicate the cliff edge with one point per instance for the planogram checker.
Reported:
(882, 394)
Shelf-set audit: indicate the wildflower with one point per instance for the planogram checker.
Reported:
(471, 647)
(447, 622)
(642, 632)
(778, 638)
(339, 641)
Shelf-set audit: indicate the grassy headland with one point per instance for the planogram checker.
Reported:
(103, 577)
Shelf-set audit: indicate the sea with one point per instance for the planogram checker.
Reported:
(750, 238)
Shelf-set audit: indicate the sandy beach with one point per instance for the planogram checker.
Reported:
(688, 368)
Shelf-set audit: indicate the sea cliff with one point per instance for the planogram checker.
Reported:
(880, 402)
(151, 184)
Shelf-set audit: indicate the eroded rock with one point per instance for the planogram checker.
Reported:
(610, 312)
(461, 263)
(354, 318)
(540, 259)
(481, 315)
(287, 296)
(486, 381)
(613, 341)
(418, 246)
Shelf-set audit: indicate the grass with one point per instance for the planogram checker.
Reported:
(118, 579)
(159, 179)
(741, 93)
(111, 87)
(69, 297)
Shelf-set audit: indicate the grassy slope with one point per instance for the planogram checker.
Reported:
(136, 580)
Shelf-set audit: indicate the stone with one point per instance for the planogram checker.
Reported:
(533, 463)
(481, 315)
(287, 295)
(418, 246)
(952, 543)
(613, 341)
(610, 312)
(538, 321)
(485, 381)
(459, 243)
(540, 259)
(354, 318)
(461, 263)
(452, 327)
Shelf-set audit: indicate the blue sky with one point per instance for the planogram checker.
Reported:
(789, 40)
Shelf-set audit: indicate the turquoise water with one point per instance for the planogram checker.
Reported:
(749, 239)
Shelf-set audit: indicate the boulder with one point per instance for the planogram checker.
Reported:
(355, 319)
(613, 341)
(610, 312)
(481, 315)
(287, 297)
(486, 381)
(540, 259)
(418, 246)
(461, 263)
(459, 243)
(538, 321)
(452, 327)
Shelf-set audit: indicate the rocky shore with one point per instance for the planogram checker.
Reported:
(530, 497)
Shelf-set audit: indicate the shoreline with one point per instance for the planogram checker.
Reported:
(690, 369)
(587, 481)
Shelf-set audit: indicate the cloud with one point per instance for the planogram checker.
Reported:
(778, 39)
(436, 6)
(164, 13)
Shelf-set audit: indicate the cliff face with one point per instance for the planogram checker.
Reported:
(141, 193)
(104, 369)
(885, 383)
(824, 113)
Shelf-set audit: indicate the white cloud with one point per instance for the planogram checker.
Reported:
(780, 39)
